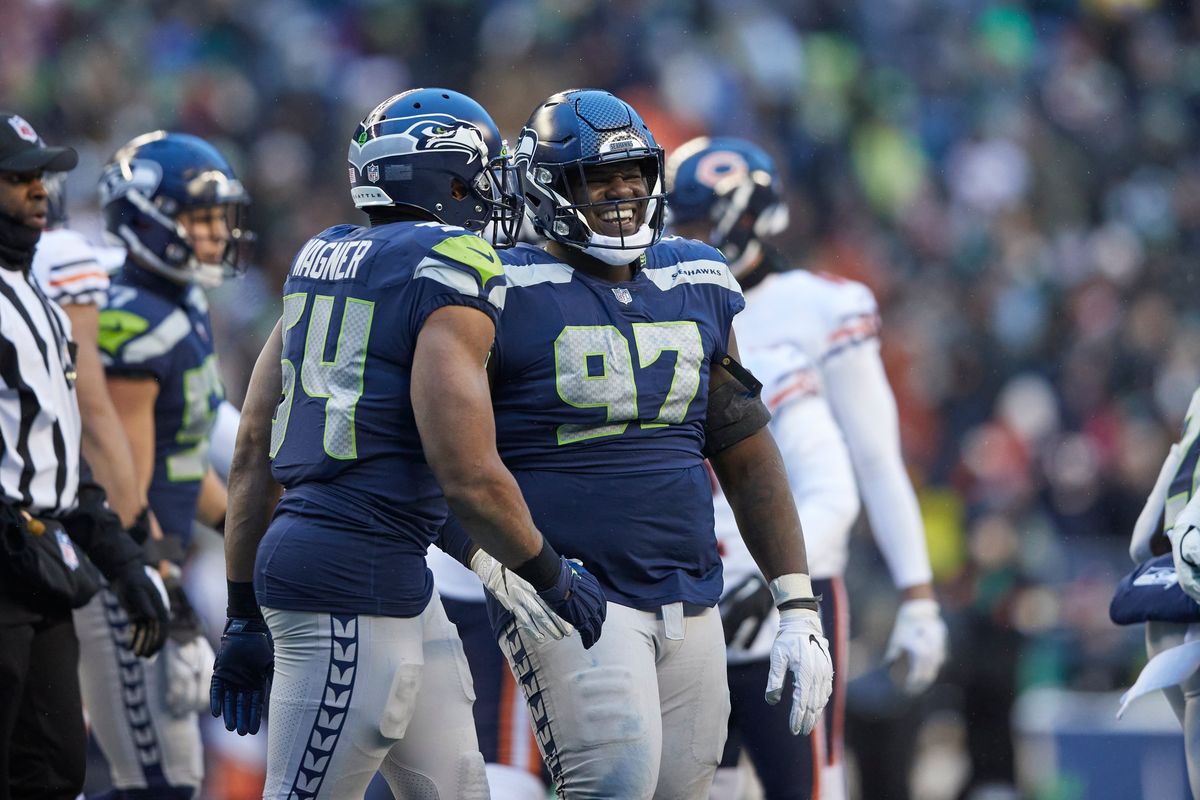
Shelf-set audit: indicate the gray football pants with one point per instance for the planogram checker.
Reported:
(354, 693)
(642, 714)
(146, 745)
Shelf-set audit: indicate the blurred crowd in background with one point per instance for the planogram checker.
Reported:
(1018, 182)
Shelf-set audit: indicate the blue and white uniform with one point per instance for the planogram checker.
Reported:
(1156, 598)
(157, 329)
(341, 571)
(600, 392)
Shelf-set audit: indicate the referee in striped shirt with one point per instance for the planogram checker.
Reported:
(42, 477)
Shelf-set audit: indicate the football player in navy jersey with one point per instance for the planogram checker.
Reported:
(385, 417)
(173, 202)
(614, 375)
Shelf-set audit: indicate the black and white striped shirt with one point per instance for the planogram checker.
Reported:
(39, 414)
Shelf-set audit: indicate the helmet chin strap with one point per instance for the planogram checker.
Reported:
(617, 251)
(206, 276)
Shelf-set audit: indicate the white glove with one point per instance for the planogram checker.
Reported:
(189, 670)
(1185, 547)
(919, 639)
(519, 597)
(800, 648)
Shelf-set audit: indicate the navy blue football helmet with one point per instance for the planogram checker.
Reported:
(55, 184)
(732, 184)
(568, 133)
(437, 151)
(154, 179)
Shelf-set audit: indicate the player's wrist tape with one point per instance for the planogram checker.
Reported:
(541, 571)
(794, 591)
(242, 602)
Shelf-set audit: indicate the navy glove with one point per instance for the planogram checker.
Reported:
(576, 596)
(242, 674)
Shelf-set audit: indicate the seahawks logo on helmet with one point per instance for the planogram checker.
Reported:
(119, 177)
(429, 133)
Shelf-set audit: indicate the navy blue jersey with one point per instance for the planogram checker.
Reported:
(361, 505)
(601, 391)
(155, 328)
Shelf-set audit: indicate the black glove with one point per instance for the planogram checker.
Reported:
(185, 623)
(148, 617)
(139, 531)
(744, 608)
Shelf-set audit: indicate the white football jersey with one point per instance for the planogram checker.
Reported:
(792, 321)
(67, 267)
(813, 342)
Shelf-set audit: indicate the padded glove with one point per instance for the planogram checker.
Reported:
(918, 642)
(576, 596)
(140, 592)
(801, 649)
(242, 674)
(519, 598)
(744, 609)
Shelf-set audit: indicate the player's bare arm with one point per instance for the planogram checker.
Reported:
(133, 399)
(211, 505)
(452, 403)
(104, 441)
(753, 477)
(253, 491)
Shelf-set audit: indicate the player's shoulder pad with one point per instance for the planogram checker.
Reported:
(63, 245)
(526, 265)
(675, 261)
(138, 325)
(460, 260)
(66, 266)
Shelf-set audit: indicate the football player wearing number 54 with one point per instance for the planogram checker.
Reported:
(370, 405)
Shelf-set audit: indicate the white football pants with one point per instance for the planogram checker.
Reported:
(1184, 697)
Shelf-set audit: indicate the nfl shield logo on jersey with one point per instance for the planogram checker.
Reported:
(623, 295)
(373, 173)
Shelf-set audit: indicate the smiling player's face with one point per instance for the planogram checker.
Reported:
(615, 186)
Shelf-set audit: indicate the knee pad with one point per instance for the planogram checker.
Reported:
(471, 777)
(513, 783)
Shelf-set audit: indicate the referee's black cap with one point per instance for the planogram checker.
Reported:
(22, 150)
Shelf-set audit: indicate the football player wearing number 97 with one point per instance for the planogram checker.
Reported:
(370, 405)
(614, 375)
(174, 203)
